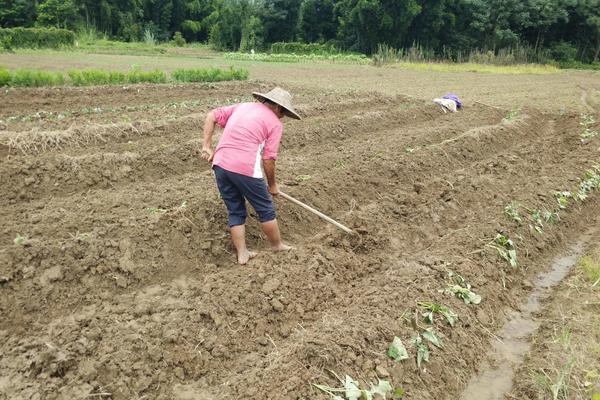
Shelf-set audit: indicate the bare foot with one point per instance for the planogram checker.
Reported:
(282, 247)
(245, 256)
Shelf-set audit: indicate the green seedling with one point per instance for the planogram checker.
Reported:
(506, 249)
(550, 217)
(397, 351)
(20, 240)
(587, 133)
(302, 178)
(422, 350)
(461, 289)
(538, 221)
(409, 150)
(512, 115)
(512, 211)
(563, 198)
(432, 308)
(589, 183)
(351, 390)
(431, 335)
(468, 296)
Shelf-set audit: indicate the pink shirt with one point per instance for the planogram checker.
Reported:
(252, 134)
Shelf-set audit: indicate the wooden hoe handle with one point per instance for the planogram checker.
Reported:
(317, 212)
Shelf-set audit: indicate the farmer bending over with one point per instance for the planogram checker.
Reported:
(250, 141)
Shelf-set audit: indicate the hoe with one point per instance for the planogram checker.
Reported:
(317, 212)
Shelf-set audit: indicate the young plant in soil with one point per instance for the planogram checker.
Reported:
(587, 132)
(422, 350)
(563, 198)
(432, 308)
(397, 351)
(351, 390)
(20, 240)
(506, 249)
(589, 183)
(462, 290)
(511, 210)
(512, 115)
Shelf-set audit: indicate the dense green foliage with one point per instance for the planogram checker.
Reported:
(36, 78)
(30, 78)
(210, 75)
(303, 48)
(565, 30)
(33, 38)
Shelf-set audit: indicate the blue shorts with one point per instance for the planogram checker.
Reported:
(236, 188)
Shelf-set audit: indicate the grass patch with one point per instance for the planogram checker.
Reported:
(591, 268)
(36, 78)
(210, 75)
(481, 68)
(95, 77)
(105, 46)
(31, 78)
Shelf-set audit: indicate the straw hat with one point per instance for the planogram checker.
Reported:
(280, 97)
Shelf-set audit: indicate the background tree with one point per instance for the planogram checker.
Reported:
(316, 21)
(58, 13)
(14, 13)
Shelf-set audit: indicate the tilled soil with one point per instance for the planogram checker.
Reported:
(125, 285)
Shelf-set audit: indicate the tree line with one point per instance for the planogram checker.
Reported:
(566, 29)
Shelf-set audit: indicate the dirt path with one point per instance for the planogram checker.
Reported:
(124, 285)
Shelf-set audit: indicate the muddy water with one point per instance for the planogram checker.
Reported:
(512, 342)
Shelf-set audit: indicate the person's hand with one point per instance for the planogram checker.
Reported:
(274, 190)
(207, 154)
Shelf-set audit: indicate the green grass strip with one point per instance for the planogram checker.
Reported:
(89, 77)
(210, 75)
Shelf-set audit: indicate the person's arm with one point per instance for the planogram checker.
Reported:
(269, 167)
(209, 128)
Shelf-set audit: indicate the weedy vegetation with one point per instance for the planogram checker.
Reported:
(591, 269)
(556, 386)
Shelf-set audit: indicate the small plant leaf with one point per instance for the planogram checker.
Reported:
(398, 393)
(352, 390)
(422, 350)
(428, 317)
(397, 351)
(450, 315)
(19, 240)
(382, 388)
(431, 335)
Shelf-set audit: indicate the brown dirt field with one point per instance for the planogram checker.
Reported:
(125, 287)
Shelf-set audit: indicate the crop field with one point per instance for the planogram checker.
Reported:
(117, 276)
